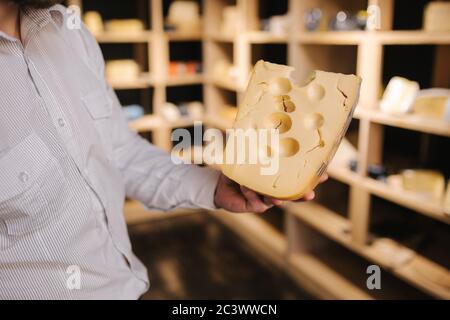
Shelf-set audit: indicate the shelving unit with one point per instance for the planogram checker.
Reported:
(358, 52)
(361, 53)
(157, 56)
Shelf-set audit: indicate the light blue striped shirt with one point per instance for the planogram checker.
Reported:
(67, 161)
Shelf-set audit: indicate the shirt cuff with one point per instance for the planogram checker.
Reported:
(202, 186)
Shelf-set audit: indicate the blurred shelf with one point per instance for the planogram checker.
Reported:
(408, 121)
(227, 85)
(262, 37)
(418, 271)
(330, 283)
(153, 122)
(331, 37)
(220, 37)
(415, 37)
(116, 37)
(181, 37)
(410, 200)
(144, 82)
(184, 80)
(147, 123)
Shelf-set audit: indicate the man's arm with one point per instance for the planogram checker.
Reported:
(149, 174)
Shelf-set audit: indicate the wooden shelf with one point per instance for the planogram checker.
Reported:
(331, 37)
(434, 210)
(416, 37)
(261, 37)
(184, 80)
(408, 121)
(144, 82)
(115, 37)
(227, 85)
(336, 228)
(179, 37)
(147, 123)
(220, 37)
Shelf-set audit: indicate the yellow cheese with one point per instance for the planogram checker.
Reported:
(94, 22)
(311, 122)
(125, 26)
(437, 16)
(122, 70)
(399, 96)
(433, 103)
(427, 183)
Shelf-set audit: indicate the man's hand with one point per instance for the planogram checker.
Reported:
(238, 199)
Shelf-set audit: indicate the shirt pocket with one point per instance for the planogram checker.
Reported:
(99, 107)
(33, 189)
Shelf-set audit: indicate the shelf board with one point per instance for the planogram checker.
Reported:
(410, 200)
(413, 37)
(331, 37)
(184, 80)
(406, 199)
(219, 37)
(179, 37)
(227, 85)
(116, 37)
(262, 37)
(147, 123)
(334, 226)
(408, 121)
(143, 82)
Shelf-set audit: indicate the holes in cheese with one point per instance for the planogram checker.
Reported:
(289, 147)
(278, 121)
(284, 104)
(309, 123)
(280, 86)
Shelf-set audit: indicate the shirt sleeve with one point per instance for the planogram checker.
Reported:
(149, 174)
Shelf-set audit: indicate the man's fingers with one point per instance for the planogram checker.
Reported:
(324, 178)
(273, 201)
(254, 202)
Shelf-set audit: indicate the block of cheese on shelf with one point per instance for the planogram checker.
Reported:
(94, 22)
(427, 183)
(433, 103)
(170, 112)
(122, 70)
(310, 121)
(447, 200)
(437, 16)
(125, 26)
(399, 96)
(230, 18)
(185, 16)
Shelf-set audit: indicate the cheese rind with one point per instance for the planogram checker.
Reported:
(311, 126)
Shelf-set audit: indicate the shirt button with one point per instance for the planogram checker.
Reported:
(24, 177)
(61, 122)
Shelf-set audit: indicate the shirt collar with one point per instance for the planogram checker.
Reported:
(31, 18)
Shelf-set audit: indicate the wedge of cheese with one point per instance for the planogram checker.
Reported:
(310, 121)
